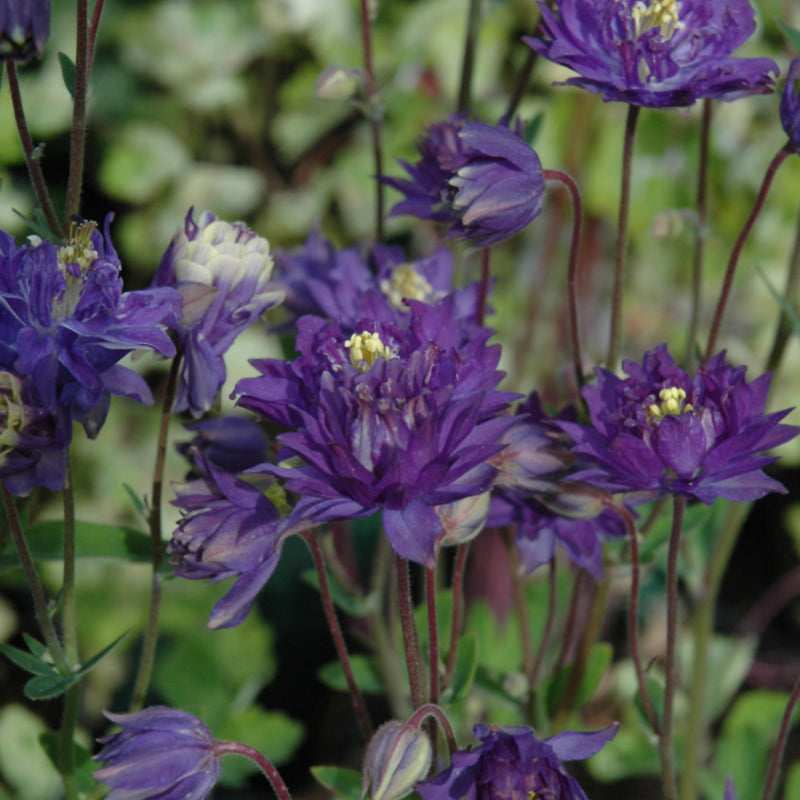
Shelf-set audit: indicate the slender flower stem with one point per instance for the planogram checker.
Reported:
(34, 584)
(780, 745)
(784, 329)
(615, 336)
(552, 598)
(459, 571)
(666, 743)
(31, 153)
(777, 160)
(484, 288)
(522, 81)
(409, 629)
(147, 657)
(338, 636)
(80, 91)
(568, 634)
(93, 26)
(700, 235)
(702, 630)
(633, 617)
(69, 620)
(433, 634)
(431, 710)
(520, 603)
(66, 742)
(468, 59)
(374, 116)
(572, 269)
(264, 764)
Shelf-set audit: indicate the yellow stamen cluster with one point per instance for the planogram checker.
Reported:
(77, 252)
(405, 283)
(672, 402)
(365, 349)
(662, 14)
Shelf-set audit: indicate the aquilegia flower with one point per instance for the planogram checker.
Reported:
(398, 755)
(399, 417)
(483, 181)
(229, 529)
(222, 271)
(790, 105)
(511, 763)
(65, 322)
(655, 53)
(160, 754)
(24, 28)
(660, 431)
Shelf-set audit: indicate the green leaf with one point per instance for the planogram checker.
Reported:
(655, 689)
(102, 654)
(342, 597)
(46, 687)
(596, 667)
(138, 502)
(465, 667)
(343, 782)
(30, 663)
(34, 645)
(67, 73)
(92, 540)
(790, 33)
(532, 129)
(365, 670)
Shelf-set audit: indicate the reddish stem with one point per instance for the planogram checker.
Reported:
(409, 628)
(264, 764)
(780, 745)
(433, 633)
(459, 571)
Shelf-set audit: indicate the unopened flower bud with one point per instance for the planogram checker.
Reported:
(339, 83)
(575, 500)
(464, 519)
(398, 756)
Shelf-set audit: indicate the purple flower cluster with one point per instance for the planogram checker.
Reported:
(24, 28)
(221, 270)
(655, 53)
(511, 762)
(400, 417)
(660, 431)
(482, 181)
(65, 324)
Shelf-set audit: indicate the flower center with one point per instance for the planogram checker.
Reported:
(365, 349)
(75, 258)
(662, 14)
(405, 283)
(672, 402)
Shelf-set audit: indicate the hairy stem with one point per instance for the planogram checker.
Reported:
(780, 745)
(459, 571)
(264, 764)
(409, 629)
(433, 634)
(784, 329)
(468, 59)
(431, 710)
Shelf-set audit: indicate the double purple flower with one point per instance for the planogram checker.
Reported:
(400, 418)
(482, 181)
(661, 431)
(24, 28)
(655, 53)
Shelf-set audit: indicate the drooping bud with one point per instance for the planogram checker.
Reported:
(464, 519)
(398, 756)
(575, 500)
(340, 83)
(24, 28)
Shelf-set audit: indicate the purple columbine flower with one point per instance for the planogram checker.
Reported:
(229, 529)
(536, 493)
(399, 418)
(33, 437)
(655, 53)
(24, 28)
(790, 105)
(65, 322)
(511, 763)
(160, 754)
(222, 271)
(483, 181)
(660, 431)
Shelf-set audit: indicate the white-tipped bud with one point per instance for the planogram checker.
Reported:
(398, 756)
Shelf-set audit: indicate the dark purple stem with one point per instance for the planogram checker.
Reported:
(533, 676)
(615, 336)
(433, 633)
(778, 159)
(409, 628)
(484, 289)
(431, 710)
(374, 116)
(28, 148)
(80, 90)
(572, 269)
(780, 745)
(93, 26)
(784, 330)
(700, 235)
(459, 570)
(468, 60)
(666, 744)
(264, 764)
(337, 635)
